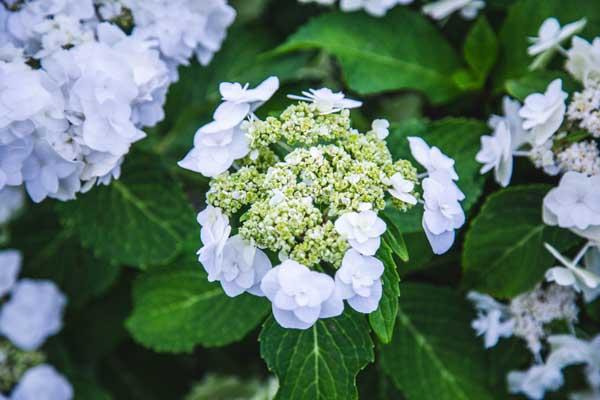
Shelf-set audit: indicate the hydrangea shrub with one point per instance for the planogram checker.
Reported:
(299, 199)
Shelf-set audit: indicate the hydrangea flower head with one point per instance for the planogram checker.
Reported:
(76, 90)
(309, 192)
(33, 313)
(43, 382)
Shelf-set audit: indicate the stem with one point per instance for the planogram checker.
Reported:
(285, 146)
(581, 253)
(422, 175)
(562, 51)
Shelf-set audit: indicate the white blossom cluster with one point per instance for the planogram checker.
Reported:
(559, 138)
(31, 312)
(438, 10)
(76, 90)
(299, 290)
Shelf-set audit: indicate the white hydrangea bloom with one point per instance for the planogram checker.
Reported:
(47, 174)
(93, 87)
(214, 234)
(327, 101)
(551, 35)
(183, 27)
(10, 265)
(532, 310)
(431, 158)
(381, 127)
(443, 212)
(544, 113)
(300, 296)
(513, 121)
(496, 154)
(583, 59)
(33, 313)
(242, 268)
(219, 143)
(402, 189)
(586, 280)
(442, 9)
(13, 156)
(358, 281)
(536, 381)
(11, 201)
(493, 319)
(362, 230)
(42, 382)
(239, 102)
(574, 204)
(214, 153)
(377, 8)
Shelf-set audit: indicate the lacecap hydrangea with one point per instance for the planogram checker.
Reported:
(304, 190)
(80, 79)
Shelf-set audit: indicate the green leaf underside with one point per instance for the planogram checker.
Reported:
(434, 353)
(176, 308)
(504, 253)
(140, 220)
(320, 363)
(383, 319)
(400, 51)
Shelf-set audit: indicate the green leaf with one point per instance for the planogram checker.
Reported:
(504, 253)
(320, 362)
(481, 48)
(434, 353)
(403, 50)
(524, 20)
(383, 319)
(395, 240)
(55, 253)
(176, 308)
(141, 219)
(537, 82)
